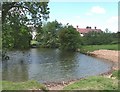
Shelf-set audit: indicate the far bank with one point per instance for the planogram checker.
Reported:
(109, 52)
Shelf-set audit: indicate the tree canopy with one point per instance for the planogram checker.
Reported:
(99, 38)
(27, 12)
(69, 38)
(16, 16)
(48, 35)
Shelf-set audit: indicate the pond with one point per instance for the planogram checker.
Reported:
(51, 65)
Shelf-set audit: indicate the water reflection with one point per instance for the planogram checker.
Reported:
(51, 65)
(15, 72)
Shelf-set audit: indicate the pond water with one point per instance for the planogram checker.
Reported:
(51, 65)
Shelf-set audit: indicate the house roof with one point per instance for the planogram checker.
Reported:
(86, 30)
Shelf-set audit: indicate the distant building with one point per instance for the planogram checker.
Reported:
(86, 30)
(33, 31)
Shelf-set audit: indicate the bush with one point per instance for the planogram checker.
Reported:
(69, 38)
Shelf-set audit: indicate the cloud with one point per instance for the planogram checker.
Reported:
(98, 10)
(113, 19)
(89, 14)
(77, 17)
(112, 23)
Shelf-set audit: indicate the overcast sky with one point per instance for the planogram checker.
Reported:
(100, 14)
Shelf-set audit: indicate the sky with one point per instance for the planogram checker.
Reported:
(100, 14)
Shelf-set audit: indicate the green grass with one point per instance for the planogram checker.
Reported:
(97, 83)
(84, 49)
(116, 74)
(94, 83)
(34, 42)
(7, 85)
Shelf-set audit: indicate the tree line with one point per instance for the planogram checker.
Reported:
(100, 38)
(57, 35)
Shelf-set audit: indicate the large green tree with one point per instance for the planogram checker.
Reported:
(28, 12)
(15, 18)
(48, 37)
(69, 38)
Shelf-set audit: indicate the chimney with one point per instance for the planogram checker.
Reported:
(77, 26)
(87, 27)
(95, 27)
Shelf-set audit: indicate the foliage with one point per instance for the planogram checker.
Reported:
(7, 85)
(69, 38)
(94, 83)
(27, 12)
(48, 37)
(19, 38)
(15, 18)
(99, 38)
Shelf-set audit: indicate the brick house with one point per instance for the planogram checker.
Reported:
(86, 30)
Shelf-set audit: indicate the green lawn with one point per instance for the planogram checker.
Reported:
(95, 83)
(84, 49)
(116, 74)
(34, 42)
(6, 85)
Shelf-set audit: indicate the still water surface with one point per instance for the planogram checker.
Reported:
(51, 65)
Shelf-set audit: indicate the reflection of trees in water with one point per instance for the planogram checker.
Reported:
(67, 55)
(67, 61)
(15, 72)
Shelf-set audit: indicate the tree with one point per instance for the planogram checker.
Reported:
(69, 38)
(15, 18)
(28, 12)
(48, 37)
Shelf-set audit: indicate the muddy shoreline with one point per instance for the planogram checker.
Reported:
(62, 84)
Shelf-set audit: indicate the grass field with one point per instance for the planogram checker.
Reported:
(95, 83)
(6, 85)
(84, 49)
(34, 42)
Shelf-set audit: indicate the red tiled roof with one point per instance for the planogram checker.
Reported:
(85, 30)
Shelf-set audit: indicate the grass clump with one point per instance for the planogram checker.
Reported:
(29, 85)
(116, 74)
(94, 83)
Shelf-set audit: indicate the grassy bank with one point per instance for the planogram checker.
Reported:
(95, 83)
(87, 48)
(90, 83)
(29, 85)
